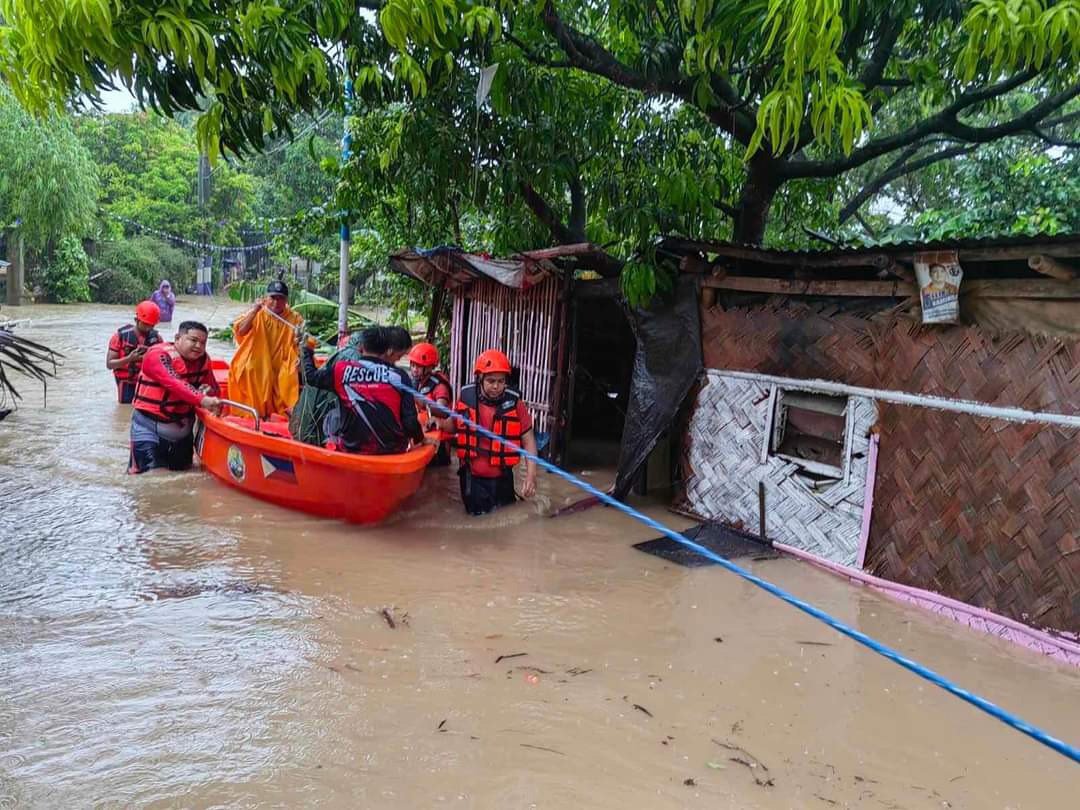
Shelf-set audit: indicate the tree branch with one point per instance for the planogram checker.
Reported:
(534, 57)
(585, 53)
(944, 122)
(896, 170)
(546, 214)
(1053, 140)
(874, 69)
(727, 210)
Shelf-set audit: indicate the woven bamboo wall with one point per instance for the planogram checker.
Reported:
(521, 324)
(980, 510)
(723, 465)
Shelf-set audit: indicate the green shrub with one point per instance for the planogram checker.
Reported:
(117, 286)
(145, 260)
(66, 279)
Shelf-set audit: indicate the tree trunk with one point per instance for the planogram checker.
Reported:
(756, 200)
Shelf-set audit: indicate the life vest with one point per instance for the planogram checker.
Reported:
(153, 399)
(129, 342)
(427, 388)
(506, 425)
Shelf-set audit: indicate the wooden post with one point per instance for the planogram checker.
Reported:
(438, 299)
(562, 333)
(16, 272)
(761, 509)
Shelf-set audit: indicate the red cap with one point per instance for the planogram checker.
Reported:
(492, 362)
(148, 312)
(424, 354)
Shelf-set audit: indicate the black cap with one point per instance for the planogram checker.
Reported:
(277, 288)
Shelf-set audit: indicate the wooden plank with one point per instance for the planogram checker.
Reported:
(783, 286)
(1021, 288)
(984, 288)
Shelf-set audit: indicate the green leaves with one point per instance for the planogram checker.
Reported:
(1009, 35)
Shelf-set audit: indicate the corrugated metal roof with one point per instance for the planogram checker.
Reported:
(678, 244)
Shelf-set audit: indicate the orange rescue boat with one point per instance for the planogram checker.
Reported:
(261, 458)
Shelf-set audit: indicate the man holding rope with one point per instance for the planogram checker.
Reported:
(264, 371)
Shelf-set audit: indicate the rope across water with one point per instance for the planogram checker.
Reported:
(1065, 749)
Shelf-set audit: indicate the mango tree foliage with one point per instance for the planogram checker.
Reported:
(47, 178)
(613, 121)
(795, 85)
(248, 64)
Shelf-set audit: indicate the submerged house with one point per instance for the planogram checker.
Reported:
(911, 411)
(907, 415)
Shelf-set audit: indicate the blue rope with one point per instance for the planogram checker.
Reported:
(991, 709)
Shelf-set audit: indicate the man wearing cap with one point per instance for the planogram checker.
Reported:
(128, 346)
(264, 372)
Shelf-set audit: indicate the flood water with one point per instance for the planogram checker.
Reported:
(168, 642)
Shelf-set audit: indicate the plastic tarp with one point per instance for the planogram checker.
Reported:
(666, 366)
(262, 373)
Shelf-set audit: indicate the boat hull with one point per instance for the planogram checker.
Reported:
(344, 486)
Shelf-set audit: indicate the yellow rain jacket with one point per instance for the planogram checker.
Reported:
(264, 371)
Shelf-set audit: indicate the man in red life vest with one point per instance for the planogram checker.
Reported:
(373, 416)
(128, 346)
(487, 468)
(175, 379)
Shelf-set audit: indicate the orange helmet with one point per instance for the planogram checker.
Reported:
(148, 312)
(424, 354)
(492, 362)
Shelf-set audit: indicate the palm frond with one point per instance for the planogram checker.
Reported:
(25, 357)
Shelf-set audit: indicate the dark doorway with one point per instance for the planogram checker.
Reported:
(601, 367)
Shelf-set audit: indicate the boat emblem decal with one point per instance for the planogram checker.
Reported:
(278, 469)
(235, 461)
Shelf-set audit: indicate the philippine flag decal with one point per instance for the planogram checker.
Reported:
(278, 469)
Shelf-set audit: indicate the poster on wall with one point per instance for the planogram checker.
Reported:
(939, 275)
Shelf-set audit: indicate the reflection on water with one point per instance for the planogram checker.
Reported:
(166, 641)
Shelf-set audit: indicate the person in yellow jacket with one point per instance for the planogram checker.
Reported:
(264, 371)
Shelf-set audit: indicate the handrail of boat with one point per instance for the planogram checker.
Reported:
(240, 406)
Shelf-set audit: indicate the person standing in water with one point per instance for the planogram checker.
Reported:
(128, 346)
(487, 467)
(175, 379)
(165, 299)
(264, 373)
(435, 386)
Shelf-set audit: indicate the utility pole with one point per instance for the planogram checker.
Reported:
(204, 278)
(346, 235)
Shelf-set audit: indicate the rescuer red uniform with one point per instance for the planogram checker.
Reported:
(435, 386)
(175, 378)
(128, 346)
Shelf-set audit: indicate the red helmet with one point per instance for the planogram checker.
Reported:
(148, 312)
(424, 354)
(492, 362)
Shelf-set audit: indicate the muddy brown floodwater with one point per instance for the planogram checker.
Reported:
(168, 642)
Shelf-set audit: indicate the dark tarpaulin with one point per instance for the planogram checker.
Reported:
(666, 366)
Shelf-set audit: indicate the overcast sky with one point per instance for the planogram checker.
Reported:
(118, 101)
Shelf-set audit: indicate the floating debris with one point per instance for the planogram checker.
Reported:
(508, 657)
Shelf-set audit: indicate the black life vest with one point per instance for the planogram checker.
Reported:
(129, 342)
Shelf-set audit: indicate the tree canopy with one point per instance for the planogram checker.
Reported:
(608, 121)
(47, 178)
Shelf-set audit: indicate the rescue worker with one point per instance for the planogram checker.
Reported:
(263, 372)
(435, 385)
(373, 415)
(128, 346)
(175, 379)
(487, 468)
(399, 341)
